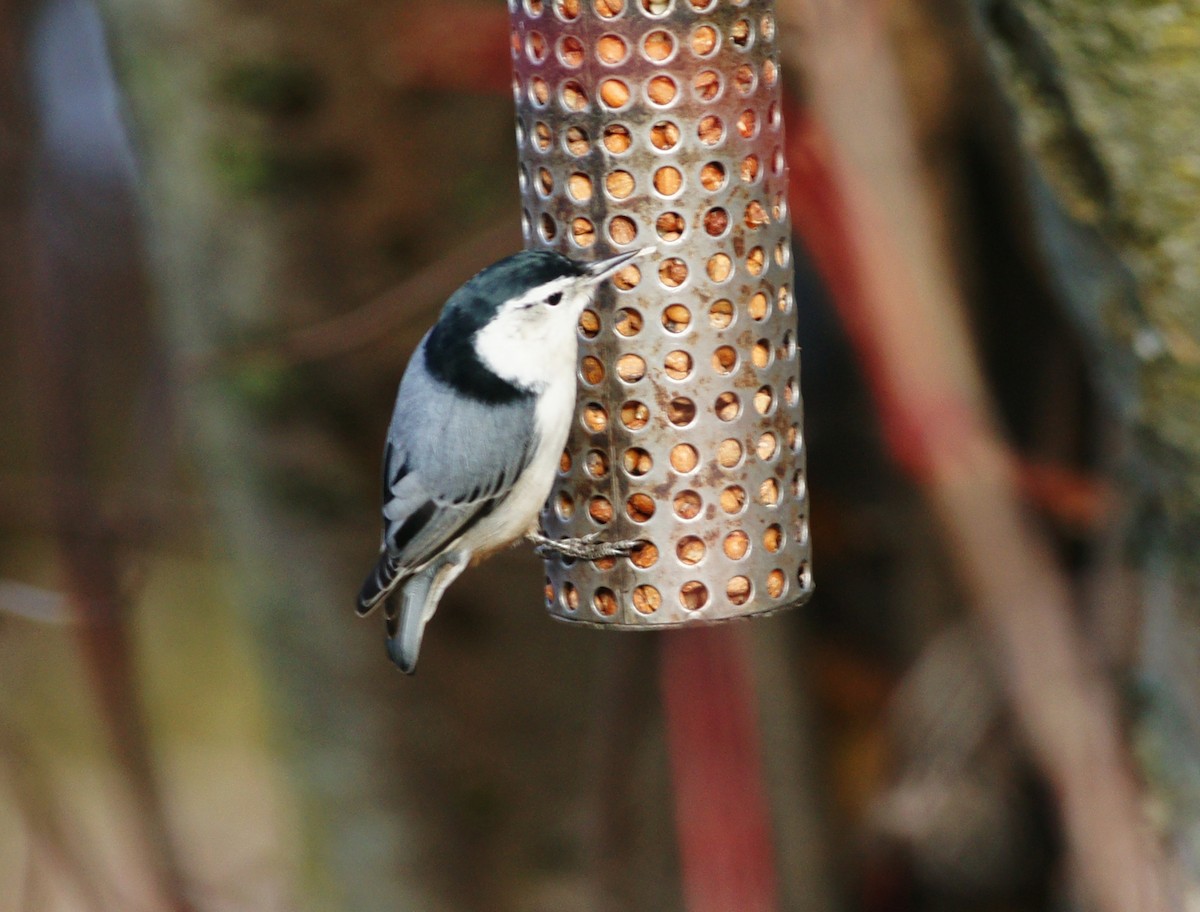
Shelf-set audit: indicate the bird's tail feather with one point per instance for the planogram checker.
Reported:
(418, 601)
(378, 585)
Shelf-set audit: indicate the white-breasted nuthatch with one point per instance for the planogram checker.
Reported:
(479, 425)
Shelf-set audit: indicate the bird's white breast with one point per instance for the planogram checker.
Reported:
(554, 410)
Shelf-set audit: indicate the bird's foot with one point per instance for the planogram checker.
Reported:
(586, 548)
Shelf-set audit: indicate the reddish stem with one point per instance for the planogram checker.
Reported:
(721, 813)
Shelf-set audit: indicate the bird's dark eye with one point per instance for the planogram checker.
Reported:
(555, 299)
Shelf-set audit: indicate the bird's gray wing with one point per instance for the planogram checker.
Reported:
(449, 461)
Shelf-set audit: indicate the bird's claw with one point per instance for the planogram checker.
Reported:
(586, 548)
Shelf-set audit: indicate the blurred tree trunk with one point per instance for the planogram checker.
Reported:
(239, 185)
(1107, 103)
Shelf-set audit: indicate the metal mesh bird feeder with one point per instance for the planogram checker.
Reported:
(658, 122)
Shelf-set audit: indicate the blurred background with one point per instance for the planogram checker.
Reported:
(223, 227)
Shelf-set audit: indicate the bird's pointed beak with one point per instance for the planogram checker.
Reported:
(602, 269)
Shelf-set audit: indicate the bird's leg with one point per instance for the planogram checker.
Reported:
(586, 548)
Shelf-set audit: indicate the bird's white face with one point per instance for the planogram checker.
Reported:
(532, 341)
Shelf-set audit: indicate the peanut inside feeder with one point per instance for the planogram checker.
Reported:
(658, 122)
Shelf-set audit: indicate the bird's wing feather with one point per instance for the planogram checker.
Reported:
(449, 461)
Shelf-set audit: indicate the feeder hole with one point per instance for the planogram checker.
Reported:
(743, 78)
(574, 96)
(627, 278)
(764, 399)
(640, 507)
(684, 458)
(579, 186)
(724, 360)
(622, 230)
(596, 464)
(631, 368)
(687, 504)
(756, 216)
(766, 447)
(564, 462)
(773, 537)
(600, 510)
(704, 41)
(619, 184)
(690, 550)
(761, 353)
(634, 415)
(733, 499)
(661, 90)
(677, 365)
(755, 261)
(570, 52)
(637, 461)
(668, 181)
(736, 545)
(727, 406)
(776, 582)
(716, 221)
(784, 299)
(614, 93)
(565, 506)
(729, 453)
(749, 169)
(768, 492)
(738, 590)
(592, 370)
(672, 272)
(710, 130)
(646, 599)
(629, 322)
(609, 8)
(583, 232)
(676, 318)
(658, 45)
(595, 417)
(719, 267)
(611, 49)
(644, 555)
(799, 486)
(577, 144)
(782, 250)
(707, 85)
(681, 411)
(720, 315)
(669, 226)
(664, 135)
(759, 306)
(570, 597)
(617, 138)
(739, 34)
(589, 324)
(693, 595)
(605, 602)
(712, 176)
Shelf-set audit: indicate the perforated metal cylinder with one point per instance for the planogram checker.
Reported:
(658, 122)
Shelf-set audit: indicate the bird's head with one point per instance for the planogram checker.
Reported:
(524, 309)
